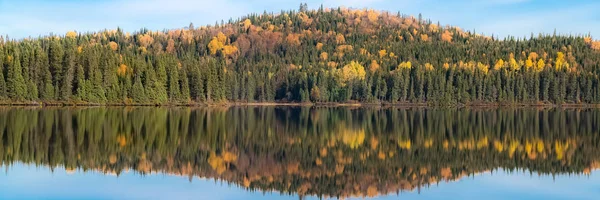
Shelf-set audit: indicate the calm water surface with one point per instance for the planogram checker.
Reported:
(299, 152)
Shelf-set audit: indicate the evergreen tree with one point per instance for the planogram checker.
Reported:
(16, 86)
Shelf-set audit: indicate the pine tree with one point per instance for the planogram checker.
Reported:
(68, 69)
(2, 81)
(55, 57)
(185, 86)
(17, 88)
(137, 92)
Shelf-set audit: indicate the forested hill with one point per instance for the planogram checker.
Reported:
(323, 55)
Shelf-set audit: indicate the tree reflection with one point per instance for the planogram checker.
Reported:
(328, 152)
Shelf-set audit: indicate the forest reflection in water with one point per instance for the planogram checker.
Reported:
(323, 152)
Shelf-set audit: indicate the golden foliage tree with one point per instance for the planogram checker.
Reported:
(221, 38)
(514, 65)
(214, 45)
(595, 45)
(122, 70)
(324, 56)
(405, 65)
(483, 67)
(319, 46)
(293, 39)
(373, 16)
(229, 50)
(113, 46)
(529, 64)
(374, 66)
(171, 46)
(145, 40)
(71, 34)
(306, 20)
(540, 65)
(499, 64)
(424, 37)
(560, 62)
(247, 23)
(340, 39)
(433, 28)
(217, 43)
(352, 71)
(429, 67)
(382, 53)
(447, 36)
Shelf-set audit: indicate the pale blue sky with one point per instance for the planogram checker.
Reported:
(23, 18)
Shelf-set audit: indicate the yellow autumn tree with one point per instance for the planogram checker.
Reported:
(382, 53)
(595, 45)
(560, 62)
(71, 34)
(499, 64)
(514, 65)
(529, 63)
(293, 39)
(306, 20)
(113, 45)
(372, 15)
(229, 50)
(247, 23)
(483, 67)
(405, 65)
(145, 40)
(343, 49)
(217, 43)
(340, 39)
(374, 66)
(587, 40)
(424, 37)
(171, 46)
(447, 36)
(533, 56)
(433, 28)
(352, 71)
(324, 56)
(122, 70)
(540, 65)
(221, 38)
(429, 67)
(319, 46)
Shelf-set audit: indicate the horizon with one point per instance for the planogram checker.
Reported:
(159, 15)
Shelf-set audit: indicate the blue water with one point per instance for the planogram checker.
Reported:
(21, 181)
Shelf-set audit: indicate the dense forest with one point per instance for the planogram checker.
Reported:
(326, 152)
(322, 55)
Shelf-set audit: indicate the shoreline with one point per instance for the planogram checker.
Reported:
(304, 104)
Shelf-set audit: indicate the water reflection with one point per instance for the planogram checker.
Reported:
(323, 152)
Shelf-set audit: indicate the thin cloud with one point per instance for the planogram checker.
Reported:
(24, 18)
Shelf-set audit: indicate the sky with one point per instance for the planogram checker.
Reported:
(25, 18)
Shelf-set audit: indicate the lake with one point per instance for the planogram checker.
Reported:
(274, 152)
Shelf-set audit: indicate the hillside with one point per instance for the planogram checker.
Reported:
(324, 55)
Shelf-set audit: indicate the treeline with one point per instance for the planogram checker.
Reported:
(323, 55)
(326, 152)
